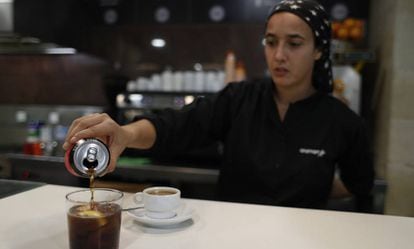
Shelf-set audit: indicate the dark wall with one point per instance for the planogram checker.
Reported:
(186, 45)
(191, 35)
(52, 79)
(81, 24)
(49, 16)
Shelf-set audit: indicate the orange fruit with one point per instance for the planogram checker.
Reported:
(349, 22)
(359, 23)
(356, 33)
(342, 33)
(335, 26)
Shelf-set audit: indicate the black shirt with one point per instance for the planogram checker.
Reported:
(266, 161)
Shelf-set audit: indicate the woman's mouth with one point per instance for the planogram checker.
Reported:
(280, 71)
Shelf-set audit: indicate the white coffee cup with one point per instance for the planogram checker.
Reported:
(159, 202)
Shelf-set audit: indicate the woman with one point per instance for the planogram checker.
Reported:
(283, 138)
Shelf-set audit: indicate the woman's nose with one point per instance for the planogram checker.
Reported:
(279, 53)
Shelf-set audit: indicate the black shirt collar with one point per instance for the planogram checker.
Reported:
(296, 110)
(314, 98)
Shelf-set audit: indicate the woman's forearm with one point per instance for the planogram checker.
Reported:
(141, 134)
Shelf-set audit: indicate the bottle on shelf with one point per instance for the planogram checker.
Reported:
(167, 80)
(240, 74)
(48, 134)
(32, 145)
(230, 67)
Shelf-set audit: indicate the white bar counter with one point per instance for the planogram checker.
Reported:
(37, 219)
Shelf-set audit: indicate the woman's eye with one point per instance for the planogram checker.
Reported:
(268, 41)
(295, 44)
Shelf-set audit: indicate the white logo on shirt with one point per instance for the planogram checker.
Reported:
(318, 153)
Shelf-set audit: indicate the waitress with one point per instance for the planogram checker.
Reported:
(283, 137)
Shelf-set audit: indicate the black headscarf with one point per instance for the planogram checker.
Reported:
(316, 17)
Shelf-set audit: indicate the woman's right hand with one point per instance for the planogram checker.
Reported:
(103, 127)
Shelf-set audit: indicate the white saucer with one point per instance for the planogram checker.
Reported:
(183, 213)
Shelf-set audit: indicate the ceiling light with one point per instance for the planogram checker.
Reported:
(158, 43)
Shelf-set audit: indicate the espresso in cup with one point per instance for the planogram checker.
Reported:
(161, 192)
(159, 202)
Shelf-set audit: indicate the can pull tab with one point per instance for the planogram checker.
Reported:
(88, 156)
(91, 161)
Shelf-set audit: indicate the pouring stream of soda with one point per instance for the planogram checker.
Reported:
(91, 173)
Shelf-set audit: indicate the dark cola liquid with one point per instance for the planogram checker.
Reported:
(91, 173)
(94, 226)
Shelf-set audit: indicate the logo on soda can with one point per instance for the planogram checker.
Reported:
(86, 155)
